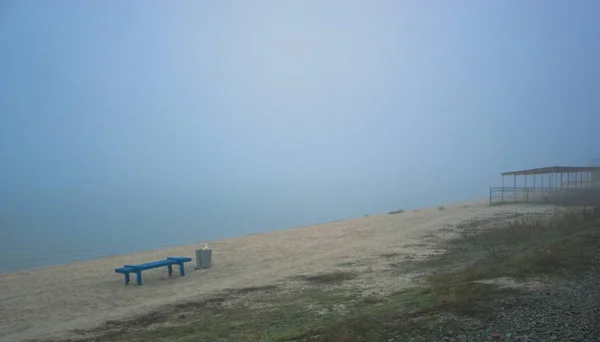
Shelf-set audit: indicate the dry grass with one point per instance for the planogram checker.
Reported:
(563, 245)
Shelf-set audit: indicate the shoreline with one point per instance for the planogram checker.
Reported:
(169, 246)
(163, 247)
(53, 301)
(175, 245)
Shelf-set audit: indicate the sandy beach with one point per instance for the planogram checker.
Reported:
(54, 301)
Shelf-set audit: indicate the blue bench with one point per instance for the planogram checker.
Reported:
(137, 269)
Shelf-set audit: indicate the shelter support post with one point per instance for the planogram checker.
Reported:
(561, 179)
(526, 190)
(502, 190)
(514, 188)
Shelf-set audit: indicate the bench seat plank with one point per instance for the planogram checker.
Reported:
(137, 269)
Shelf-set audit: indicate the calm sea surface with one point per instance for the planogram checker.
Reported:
(36, 239)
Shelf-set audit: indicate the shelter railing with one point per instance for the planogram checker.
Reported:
(500, 195)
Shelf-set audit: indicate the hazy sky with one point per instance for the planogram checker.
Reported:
(316, 109)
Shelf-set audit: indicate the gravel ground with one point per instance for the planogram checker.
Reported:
(569, 312)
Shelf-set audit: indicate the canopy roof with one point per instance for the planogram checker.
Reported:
(552, 169)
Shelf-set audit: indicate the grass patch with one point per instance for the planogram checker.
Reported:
(329, 278)
(373, 299)
(397, 316)
(563, 245)
(524, 247)
(453, 297)
(251, 289)
(328, 297)
(476, 300)
(290, 316)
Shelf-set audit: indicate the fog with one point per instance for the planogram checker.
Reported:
(133, 125)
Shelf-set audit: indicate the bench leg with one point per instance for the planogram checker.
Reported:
(126, 278)
(139, 277)
(181, 269)
(170, 267)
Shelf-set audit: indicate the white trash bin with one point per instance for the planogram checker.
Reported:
(203, 257)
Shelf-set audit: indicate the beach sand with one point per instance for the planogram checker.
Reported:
(53, 301)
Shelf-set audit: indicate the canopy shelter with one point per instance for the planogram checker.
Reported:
(533, 185)
(558, 176)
